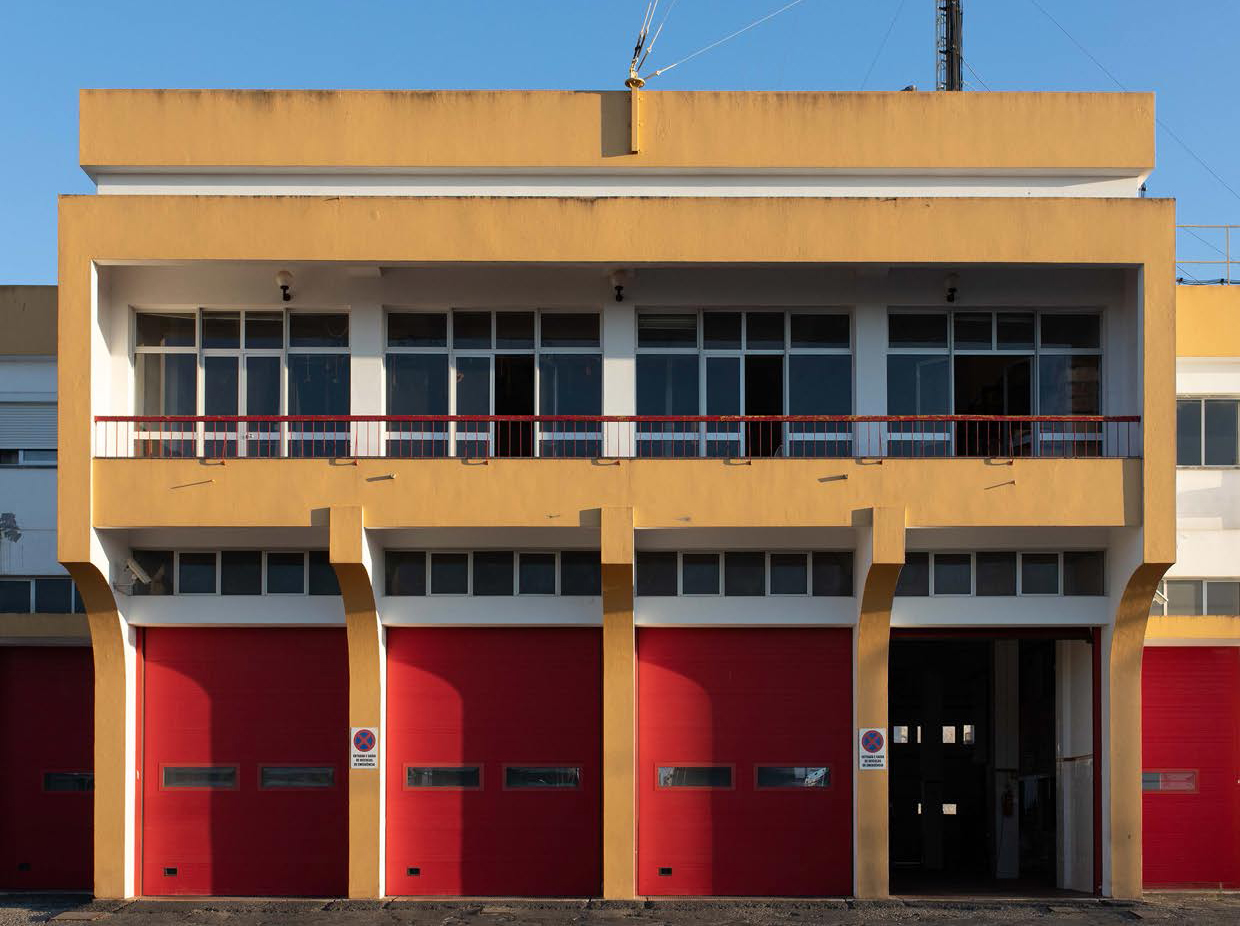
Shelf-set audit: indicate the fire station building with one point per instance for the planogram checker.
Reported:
(627, 494)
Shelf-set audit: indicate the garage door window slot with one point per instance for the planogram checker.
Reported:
(451, 777)
(69, 782)
(198, 777)
(1179, 781)
(702, 777)
(296, 777)
(792, 777)
(542, 777)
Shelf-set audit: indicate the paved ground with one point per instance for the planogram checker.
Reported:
(1205, 909)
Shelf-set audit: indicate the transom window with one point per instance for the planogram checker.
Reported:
(1197, 597)
(755, 361)
(242, 363)
(232, 572)
(492, 573)
(741, 573)
(468, 362)
(1207, 431)
(997, 573)
(39, 595)
(1008, 363)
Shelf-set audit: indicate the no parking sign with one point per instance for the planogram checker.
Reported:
(363, 747)
(872, 748)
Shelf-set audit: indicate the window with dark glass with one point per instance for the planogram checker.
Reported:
(514, 330)
(917, 329)
(914, 578)
(764, 330)
(694, 776)
(832, 574)
(744, 574)
(953, 574)
(1070, 330)
(815, 330)
(1222, 439)
(1083, 572)
(166, 329)
(221, 329)
(442, 776)
(699, 573)
(536, 574)
(404, 572)
(721, 330)
(1014, 330)
(196, 574)
(14, 596)
(1185, 597)
(296, 776)
(580, 573)
(241, 572)
(318, 329)
(264, 330)
(973, 330)
(1188, 432)
(563, 329)
(789, 574)
(655, 574)
(321, 574)
(449, 573)
(1222, 598)
(996, 574)
(795, 776)
(493, 572)
(199, 777)
(286, 573)
(417, 329)
(53, 596)
(667, 329)
(542, 776)
(1039, 573)
(157, 564)
(70, 782)
(471, 329)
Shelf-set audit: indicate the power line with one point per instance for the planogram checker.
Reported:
(883, 44)
(1166, 128)
(974, 73)
(726, 38)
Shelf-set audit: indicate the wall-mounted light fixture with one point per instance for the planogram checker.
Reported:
(284, 280)
(619, 280)
(951, 285)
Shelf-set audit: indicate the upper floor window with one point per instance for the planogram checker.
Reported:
(724, 362)
(1005, 363)
(1003, 574)
(233, 572)
(480, 363)
(249, 364)
(1207, 432)
(27, 433)
(39, 595)
(1197, 597)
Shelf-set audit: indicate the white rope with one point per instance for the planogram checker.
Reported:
(657, 33)
(651, 6)
(726, 38)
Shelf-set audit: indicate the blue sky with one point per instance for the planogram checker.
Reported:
(1185, 51)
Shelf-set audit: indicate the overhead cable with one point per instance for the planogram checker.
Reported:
(726, 38)
(883, 43)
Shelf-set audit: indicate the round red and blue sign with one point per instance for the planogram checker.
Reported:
(363, 741)
(872, 741)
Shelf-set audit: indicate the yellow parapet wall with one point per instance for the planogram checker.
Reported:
(524, 129)
(1207, 321)
(28, 321)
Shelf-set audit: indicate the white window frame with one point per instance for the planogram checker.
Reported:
(1201, 399)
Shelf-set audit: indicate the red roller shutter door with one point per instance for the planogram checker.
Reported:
(221, 705)
(742, 699)
(484, 699)
(46, 757)
(1191, 766)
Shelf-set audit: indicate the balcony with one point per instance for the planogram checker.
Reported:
(618, 437)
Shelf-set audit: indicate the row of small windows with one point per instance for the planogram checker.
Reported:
(228, 777)
(1003, 574)
(722, 777)
(1207, 432)
(1197, 597)
(32, 458)
(500, 573)
(471, 777)
(744, 574)
(234, 572)
(40, 595)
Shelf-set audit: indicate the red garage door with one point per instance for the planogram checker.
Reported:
(493, 762)
(46, 761)
(744, 751)
(244, 762)
(1191, 766)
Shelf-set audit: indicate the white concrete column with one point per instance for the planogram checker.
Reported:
(619, 376)
(870, 366)
(367, 395)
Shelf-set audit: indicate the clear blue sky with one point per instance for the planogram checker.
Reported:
(1185, 51)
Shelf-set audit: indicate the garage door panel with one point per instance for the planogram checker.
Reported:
(744, 698)
(1191, 724)
(245, 698)
(46, 694)
(491, 698)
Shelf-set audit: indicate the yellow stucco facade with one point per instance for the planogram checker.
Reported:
(1086, 133)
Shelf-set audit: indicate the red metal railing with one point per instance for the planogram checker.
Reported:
(624, 437)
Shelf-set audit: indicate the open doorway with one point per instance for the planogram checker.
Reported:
(991, 765)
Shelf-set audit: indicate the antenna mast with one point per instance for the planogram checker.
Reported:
(950, 55)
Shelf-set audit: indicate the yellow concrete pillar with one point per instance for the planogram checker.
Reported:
(880, 554)
(1123, 719)
(347, 555)
(619, 707)
(114, 758)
